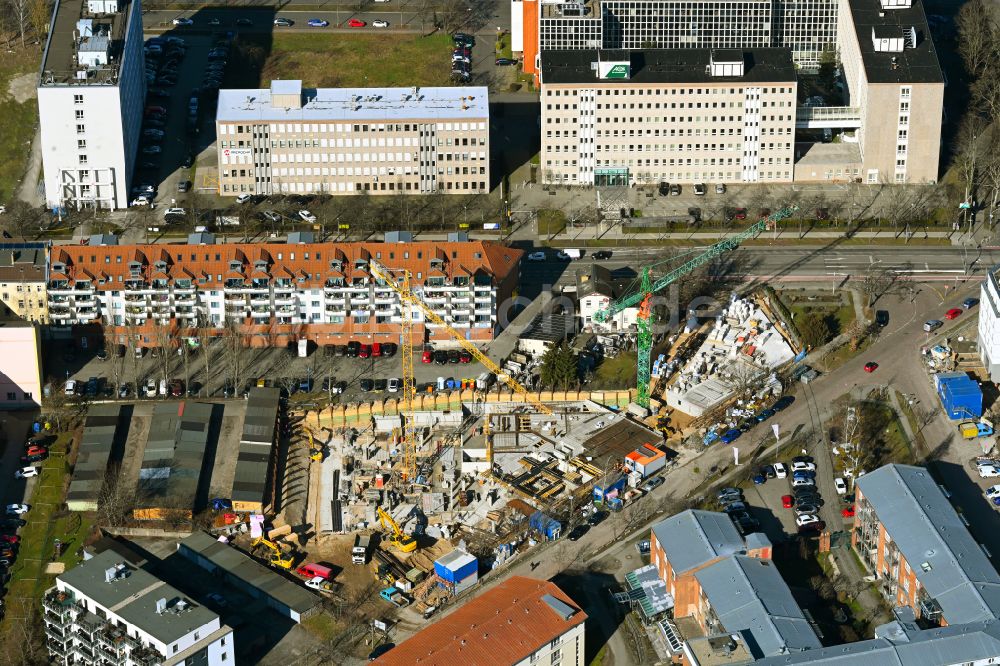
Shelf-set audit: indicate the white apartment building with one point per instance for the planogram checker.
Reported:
(596, 290)
(278, 293)
(287, 139)
(616, 118)
(989, 323)
(90, 102)
(110, 610)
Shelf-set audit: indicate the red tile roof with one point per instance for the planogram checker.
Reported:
(312, 260)
(501, 626)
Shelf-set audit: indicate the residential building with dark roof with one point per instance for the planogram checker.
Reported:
(110, 609)
(24, 270)
(909, 536)
(276, 293)
(519, 621)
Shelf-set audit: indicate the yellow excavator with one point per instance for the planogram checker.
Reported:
(316, 451)
(278, 558)
(403, 542)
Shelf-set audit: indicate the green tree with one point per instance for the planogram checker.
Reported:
(813, 329)
(559, 367)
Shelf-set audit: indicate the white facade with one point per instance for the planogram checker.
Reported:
(20, 365)
(565, 649)
(139, 620)
(989, 324)
(621, 321)
(90, 106)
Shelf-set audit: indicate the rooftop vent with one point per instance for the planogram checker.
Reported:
(896, 4)
(161, 605)
(887, 39)
(726, 62)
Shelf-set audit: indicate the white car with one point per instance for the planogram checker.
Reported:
(17, 509)
(174, 211)
(319, 584)
(987, 471)
(840, 485)
(151, 388)
(70, 387)
(307, 216)
(183, 20)
(141, 200)
(26, 472)
(993, 492)
(806, 519)
(798, 483)
(803, 467)
(379, 23)
(536, 256)
(780, 470)
(393, 385)
(243, 198)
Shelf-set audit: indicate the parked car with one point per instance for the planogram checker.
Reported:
(932, 324)
(720, 188)
(803, 482)
(578, 532)
(806, 508)
(536, 256)
(780, 470)
(317, 23)
(26, 472)
(970, 303)
(17, 509)
(652, 484)
(182, 21)
(787, 501)
(441, 357)
(506, 62)
(602, 254)
(394, 384)
(803, 466)
(379, 23)
(356, 23)
(871, 366)
(283, 22)
(952, 313)
(806, 519)
(729, 492)
(848, 512)
(987, 470)
(367, 385)
(840, 485)
(306, 216)
(699, 189)
(730, 436)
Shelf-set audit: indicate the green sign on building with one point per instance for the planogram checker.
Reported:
(617, 72)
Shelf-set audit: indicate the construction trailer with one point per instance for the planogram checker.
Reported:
(458, 571)
(960, 394)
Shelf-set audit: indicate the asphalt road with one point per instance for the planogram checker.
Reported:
(399, 16)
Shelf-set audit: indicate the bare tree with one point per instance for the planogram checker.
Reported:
(205, 337)
(989, 170)
(21, 220)
(20, 11)
(745, 379)
(117, 498)
(977, 36)
(163, 336)
(234, 351)
(116, 361)
(968, 150)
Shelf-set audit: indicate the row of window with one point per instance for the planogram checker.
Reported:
(390, 142)
(633, 120)
(630, 92)
(673, 105)
(288, 128)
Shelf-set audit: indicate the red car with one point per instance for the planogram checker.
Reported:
(356, 23)
(953, 313)
(465, 357)
(10, 538)
(871, 366)
(786, 501)
(848, 512)
(365, 351)
(376, 349)
(36, 451)
(427, 357)
(741, 214)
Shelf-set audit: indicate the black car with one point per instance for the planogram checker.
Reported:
(882, 318)
(380, 385)
(183, 186)
(505, 62)
(188, 161)
(597, 518)
(804, 459)
(353, 348)
(244, 21)
(735, 507)
(768, 471)
(602, 254)
(578, 532)
(782, 403)
(12, 523)
(389, 348)
(664, 189)
(340, 350)
(454, 356)
(102, 354)
(441, 357)
(228, 390)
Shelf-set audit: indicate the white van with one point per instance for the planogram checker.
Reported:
(163, 388)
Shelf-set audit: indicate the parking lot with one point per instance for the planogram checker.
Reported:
(281, 367)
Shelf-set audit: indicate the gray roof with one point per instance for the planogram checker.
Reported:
(659, 66)
(175, 450)
(133, 597)
(598, 280)
(908, 646)
(912, 65)
(358, 105)
(252, 573)
(945, 558)
(695, 537)
(254, 455)
(749, 597)
(99, 432)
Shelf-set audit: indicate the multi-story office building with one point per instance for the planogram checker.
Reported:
(276, 293)
(676, 115)
(988, 341)
(23, 277)
(518, 622)
(90, 102)
(286, 139)
(909, 536)
(895, 86)
(806, 27)
(111, 610)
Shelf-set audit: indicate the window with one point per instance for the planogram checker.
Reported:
(81, 129)
(11, 395)
(79, 114)
(81, 144)
(83, 159)
(78, 99)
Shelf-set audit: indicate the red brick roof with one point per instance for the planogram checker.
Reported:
(501, 626)
(311, 260)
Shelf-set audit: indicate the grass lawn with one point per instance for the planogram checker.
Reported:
(551, 222)
(618, 372)
(502, 47)
(46, 523)
(19, 120)
(343, 60)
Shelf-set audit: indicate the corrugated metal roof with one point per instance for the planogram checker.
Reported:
(94, 454)
(258, 436)
(945, 558)
(175, 449)
(750, 597)
(694, 537)
(501, 626)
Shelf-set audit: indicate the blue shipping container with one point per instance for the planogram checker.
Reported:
(456, 566)
(960, 395)
(546, 526)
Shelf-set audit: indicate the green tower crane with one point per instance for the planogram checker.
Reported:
(648, 287)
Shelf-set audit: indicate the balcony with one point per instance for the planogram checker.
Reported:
(341, 301)
(286, 300)
(260, 300)
(185, 298)
(133, 310)
(482, 287)
(336, 310)
(59, 299)
(61, 316)
(132, 296)
(55, 633)
(60, 291)
(435, 299)
(261, 310)
(461, 300)
(235, 300)
(284, 289)
(328, 290)
(57, 648)
(89, 313)
(183, 290)
(287, 310)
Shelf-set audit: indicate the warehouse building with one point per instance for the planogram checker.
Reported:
(102, 443)
(288, 139)
(91, 94)
(239, 570)
(254, 484)
(620, 118)
(279, 293)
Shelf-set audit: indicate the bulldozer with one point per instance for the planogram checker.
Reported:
(404, 543)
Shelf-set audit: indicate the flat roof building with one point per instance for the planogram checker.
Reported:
(254, 482)
(91, 93)
(619, 118)
(104, 432)
(290, 139)
(110, 609)
(909, 536)
(518, 621)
